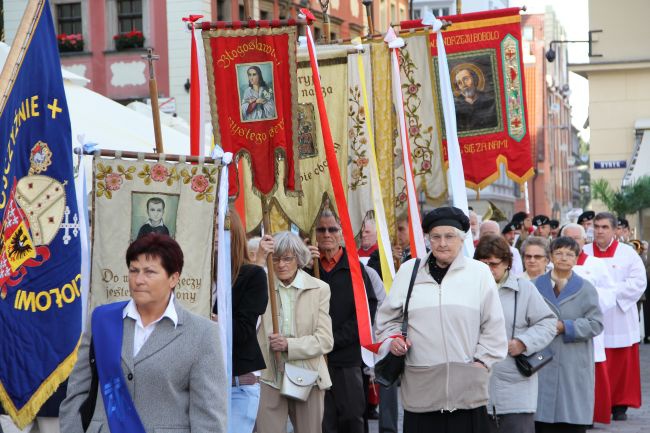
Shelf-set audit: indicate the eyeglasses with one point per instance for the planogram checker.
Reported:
(563, 255)
(492, 264)
(327, 229)
(448, 237)
(533, 257)
(283, 259)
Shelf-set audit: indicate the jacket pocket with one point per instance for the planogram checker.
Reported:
(95, 427)
(468, 385)
(423, 388)
(178, 429)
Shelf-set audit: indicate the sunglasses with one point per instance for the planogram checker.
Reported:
(327, 229)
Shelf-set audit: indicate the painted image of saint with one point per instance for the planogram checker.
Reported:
(155, 223)
(153, 213)
(256, 93)
(474, 98)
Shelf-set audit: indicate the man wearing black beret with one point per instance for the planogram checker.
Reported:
(455, 305)
(555, 228)
(509, 232)
(623, 230)
(586, 220)
(543, 224)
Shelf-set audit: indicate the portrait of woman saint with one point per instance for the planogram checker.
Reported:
(256, 92)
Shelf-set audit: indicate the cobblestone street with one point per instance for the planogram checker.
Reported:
(638, 419)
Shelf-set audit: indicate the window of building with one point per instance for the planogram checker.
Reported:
(223, 10)
(393, 14)
(129, 15)
(402, 14)
(417, 14)
(528, 33)
(242, 16)
(264, 15)
(69, 18)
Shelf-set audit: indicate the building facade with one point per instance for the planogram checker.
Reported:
(619, 93)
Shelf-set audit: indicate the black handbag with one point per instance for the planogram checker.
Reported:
(390, 367)
(530, 364)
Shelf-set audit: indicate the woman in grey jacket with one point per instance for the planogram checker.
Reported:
(513, 397)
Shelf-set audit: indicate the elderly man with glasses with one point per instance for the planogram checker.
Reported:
(345, 402)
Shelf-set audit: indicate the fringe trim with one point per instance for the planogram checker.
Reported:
(28, 412)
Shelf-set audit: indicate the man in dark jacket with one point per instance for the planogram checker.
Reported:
(345, 401)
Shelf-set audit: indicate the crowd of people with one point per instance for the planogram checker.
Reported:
(533, 291)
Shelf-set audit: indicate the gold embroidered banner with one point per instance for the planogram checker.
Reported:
(316, 185)
(132, 198)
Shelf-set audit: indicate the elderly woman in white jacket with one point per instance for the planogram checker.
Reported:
(513, 397)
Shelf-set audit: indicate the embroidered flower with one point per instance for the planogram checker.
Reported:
(412, 89)
(352, 134)
(356, 173)
(159, 173)
(418, 152)
(426, 164)
(414, 130)
(363, 140)
(113, 181)
(401, 197)
(200, 183)
(362, 162)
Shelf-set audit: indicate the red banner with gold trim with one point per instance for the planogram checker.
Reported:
(486, 71)
(254, 97)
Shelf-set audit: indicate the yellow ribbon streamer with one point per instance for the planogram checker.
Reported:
(383, 240)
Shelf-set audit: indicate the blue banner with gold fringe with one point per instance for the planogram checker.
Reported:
(40, 253)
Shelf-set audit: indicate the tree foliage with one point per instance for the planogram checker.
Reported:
(627, 200)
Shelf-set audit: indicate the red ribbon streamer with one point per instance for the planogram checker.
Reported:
(358, 287)
(195, 93)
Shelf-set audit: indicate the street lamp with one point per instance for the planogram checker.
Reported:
(551, 54)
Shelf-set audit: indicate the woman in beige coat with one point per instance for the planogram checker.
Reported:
(303, 340)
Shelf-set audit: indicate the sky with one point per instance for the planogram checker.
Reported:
(574, 17)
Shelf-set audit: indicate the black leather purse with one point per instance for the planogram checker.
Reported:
(390, 367)
(530, 364)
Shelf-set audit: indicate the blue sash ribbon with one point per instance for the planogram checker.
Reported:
(107, 328)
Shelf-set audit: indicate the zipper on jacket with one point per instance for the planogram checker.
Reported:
(444, 345)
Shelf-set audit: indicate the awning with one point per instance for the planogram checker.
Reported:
(640, 160)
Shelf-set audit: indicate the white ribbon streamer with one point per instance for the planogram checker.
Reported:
(414, 213)
(455, 173)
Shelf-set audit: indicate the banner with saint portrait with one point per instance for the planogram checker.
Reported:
(254, 98)
(132, 198)
(486, 69)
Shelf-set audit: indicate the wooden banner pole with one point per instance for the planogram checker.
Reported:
(369, 17)
(153, 94)
(266, 220)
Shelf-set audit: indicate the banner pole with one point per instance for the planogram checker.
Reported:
(371, 24)
(153, 94)
(459, 7)
(315, 261)
(266, 220)
(324, 5)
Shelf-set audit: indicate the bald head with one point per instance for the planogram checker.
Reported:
(489, 227)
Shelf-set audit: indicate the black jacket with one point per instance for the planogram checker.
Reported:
(250, 294)
(346, 352)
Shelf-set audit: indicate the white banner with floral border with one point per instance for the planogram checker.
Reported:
(417, 89)
(135, 197)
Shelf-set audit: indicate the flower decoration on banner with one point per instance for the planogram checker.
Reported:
(132, 39)
(420, 138)
(70, 42)
(358, 158)
(109, 181)
(158, 173)
(203, 182)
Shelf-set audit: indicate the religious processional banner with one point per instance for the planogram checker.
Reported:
(132, 198)
(254, 98)
(40, 252)
(360, 205)
(486, 70)
(314, 174)
(418, 83)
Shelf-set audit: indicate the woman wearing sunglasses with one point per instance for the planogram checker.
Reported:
(513, 397)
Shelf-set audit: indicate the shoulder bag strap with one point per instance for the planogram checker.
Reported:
(514, 319)
(405, 323)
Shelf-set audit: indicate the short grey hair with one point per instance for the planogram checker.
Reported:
(490, 223)
(607, 216)
(583, 234)
(254, 243)
(289, 242)
(538, 242)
